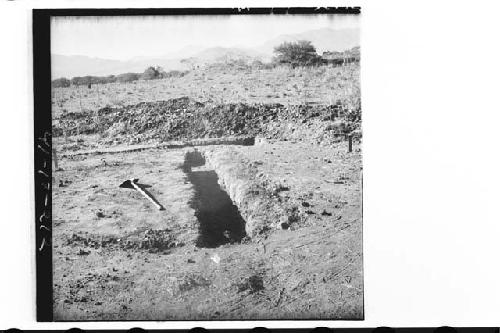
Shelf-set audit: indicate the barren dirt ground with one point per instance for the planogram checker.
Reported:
(116, 257)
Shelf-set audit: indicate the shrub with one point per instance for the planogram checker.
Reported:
(79, 80)
(152, 73)
(61, 83)
(128, 77)
(173, 73)
(301, 53)
(108, 79)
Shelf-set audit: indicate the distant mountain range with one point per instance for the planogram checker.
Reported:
(323, 39)
(70, 66)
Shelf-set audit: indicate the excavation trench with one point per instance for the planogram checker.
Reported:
(219, 220)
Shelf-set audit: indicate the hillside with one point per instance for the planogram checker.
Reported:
(223, 54)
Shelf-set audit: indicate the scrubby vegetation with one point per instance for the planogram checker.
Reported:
(61, 83)
(301, 53)
(282, 84)
(151, 73)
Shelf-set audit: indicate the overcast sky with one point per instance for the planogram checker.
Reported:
(127, 37)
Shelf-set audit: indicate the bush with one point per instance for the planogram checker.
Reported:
(174, 73)
(61, 83)
(128, 77)
(341, 58)
(301, 53)
(108, 79)
(152, 73)
(80, 81)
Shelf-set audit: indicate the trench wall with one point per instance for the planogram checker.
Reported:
(262, 209)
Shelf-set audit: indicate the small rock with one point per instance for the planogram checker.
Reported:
(227, 234)
(215, 258)
(325, 213)
(98, 303)
(83, 252)
(99, 214)
(191, 261)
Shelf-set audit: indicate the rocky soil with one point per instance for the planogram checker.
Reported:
(184, 118)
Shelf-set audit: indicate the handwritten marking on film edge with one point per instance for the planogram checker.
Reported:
(45, 184)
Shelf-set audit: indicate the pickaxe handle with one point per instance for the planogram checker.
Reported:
(147, 196)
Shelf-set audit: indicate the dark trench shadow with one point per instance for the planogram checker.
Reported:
(193, 159)
(219, 219)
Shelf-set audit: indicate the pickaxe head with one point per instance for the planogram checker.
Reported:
(128, 183)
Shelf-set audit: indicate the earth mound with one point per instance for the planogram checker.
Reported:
(186, 119)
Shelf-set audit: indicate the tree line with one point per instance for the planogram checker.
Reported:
(303, 53)
(151, 73)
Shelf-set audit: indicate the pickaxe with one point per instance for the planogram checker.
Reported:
(132, 183)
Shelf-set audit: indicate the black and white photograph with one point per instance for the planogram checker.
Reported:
(199, 166)
(206, 167)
